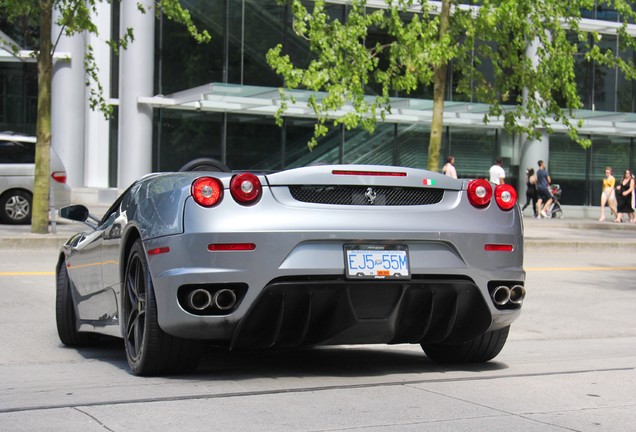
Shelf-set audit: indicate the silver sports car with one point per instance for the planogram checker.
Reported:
(322, 255)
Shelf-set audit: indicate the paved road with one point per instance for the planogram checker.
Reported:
(569, 365)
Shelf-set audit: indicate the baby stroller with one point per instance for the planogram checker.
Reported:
(555, 210)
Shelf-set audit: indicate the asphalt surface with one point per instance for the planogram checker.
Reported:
(578, 232)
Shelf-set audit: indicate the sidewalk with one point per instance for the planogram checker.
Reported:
(576, 232)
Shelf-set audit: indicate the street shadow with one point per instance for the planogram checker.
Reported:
(332, 361)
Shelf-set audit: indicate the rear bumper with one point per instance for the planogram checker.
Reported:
(297, 294)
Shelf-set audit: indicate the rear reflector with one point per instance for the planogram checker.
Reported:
(159, 250)
(231, 247)
(498, 247)
(369, 173)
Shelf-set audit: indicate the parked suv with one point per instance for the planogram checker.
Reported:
(17, 168)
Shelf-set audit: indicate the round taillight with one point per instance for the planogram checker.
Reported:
(479, 192)
(505, 196)
(245, 188)
(207, 191)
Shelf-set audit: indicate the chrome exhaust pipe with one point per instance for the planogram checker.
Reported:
(199, 299)
(224, 299)
(501, 295)
(517, 294)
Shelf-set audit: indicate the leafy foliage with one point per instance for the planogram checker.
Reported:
(529, 92)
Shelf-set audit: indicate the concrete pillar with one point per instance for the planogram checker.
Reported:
(532, 150)
(136, 78)
(68, 95)
(97, 127)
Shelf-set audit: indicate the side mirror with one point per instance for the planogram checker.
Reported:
(77, 213)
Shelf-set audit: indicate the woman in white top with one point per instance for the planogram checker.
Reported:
(449, 168)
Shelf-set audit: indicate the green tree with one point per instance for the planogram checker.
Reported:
(423, 39)
(75, 16)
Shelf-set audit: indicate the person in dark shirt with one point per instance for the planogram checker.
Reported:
(543, 190)
(531, 191)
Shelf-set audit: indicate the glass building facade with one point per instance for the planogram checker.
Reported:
(242, 33)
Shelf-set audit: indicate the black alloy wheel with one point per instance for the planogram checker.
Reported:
(149, 350)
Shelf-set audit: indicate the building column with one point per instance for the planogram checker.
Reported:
(136, 78)
(97, 126)
(68, 95)
(532, 151)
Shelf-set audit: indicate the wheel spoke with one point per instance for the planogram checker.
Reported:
(131, 283)
(135, 312)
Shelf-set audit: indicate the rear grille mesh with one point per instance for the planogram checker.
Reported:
(365, 195)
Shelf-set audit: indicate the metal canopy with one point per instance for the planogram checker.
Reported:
(265, 101)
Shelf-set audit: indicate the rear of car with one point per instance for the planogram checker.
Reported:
(17, 167)
(341, 255)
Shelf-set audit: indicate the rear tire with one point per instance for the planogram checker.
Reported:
(15, 207)
(65, 317)
(149, 350)
(478, 350)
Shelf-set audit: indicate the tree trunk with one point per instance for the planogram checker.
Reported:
(439, 88)
(40, 214)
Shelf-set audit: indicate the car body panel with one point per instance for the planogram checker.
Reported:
(292, 289)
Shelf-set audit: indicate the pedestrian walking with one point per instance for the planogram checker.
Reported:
(449, 168)
(531, 191)
(543, 190)
(497, 173)
(608, 196)
(624, 190)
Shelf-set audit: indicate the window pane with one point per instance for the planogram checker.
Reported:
(17, 152)
(567, 168)
(251, 140)
(187, 135)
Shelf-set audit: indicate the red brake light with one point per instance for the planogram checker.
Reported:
(245, 188)
(479, 192)
(59, 176)
(207, 191)
(369, 173)
(505, 196)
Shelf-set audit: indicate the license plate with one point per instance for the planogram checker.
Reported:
(365, 261)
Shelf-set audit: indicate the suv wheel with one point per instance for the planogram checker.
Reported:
(15, 207)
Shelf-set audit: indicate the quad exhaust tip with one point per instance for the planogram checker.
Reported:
(503, 295)
(201, 299)
(517, 294)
